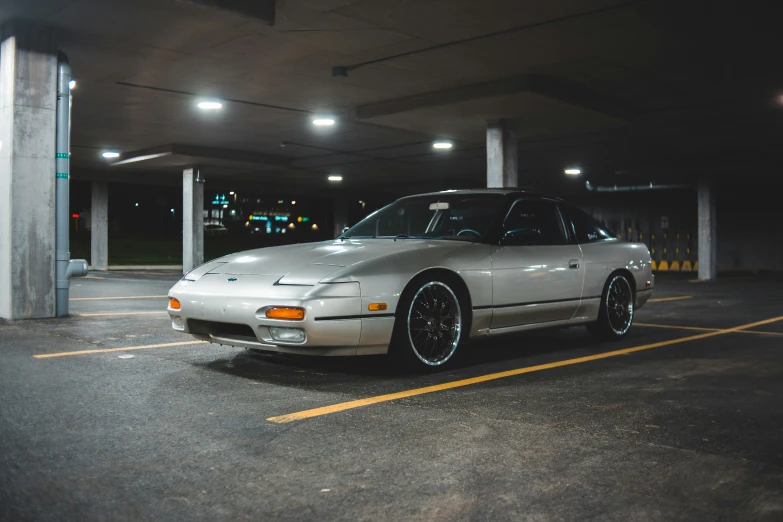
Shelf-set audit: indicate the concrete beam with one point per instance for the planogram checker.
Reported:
(502, 158)
(554, 88)
(28, 95)
(99, 215)
(708, 237)
(192, 219)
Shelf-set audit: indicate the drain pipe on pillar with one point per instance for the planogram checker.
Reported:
(65, 267)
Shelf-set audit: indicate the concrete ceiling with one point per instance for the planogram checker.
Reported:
(657, 90)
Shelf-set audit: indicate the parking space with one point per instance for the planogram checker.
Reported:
(110, 414)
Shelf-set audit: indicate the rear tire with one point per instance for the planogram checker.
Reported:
(615, 316)
(429, 326)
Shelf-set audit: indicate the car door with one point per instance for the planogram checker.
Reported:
(537, 269)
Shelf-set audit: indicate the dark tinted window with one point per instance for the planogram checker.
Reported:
(440, 216)
(532, 223)
(587, 229)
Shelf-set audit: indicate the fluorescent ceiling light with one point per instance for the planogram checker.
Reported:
(573, 172)
(443, 145)
(145, 157)
(323, 122)
(210, 105)
(72, 84)
(109, 154)
(335, 177)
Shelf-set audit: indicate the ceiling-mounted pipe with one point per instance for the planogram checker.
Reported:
(65, 267)
(633, 188)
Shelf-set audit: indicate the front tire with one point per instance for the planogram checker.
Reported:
(615, 316)
(429, 325)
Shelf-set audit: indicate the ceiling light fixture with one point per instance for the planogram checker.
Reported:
(210, 105)
(573, 172)
(72, 84)
(323, 121)
(109, 154)
(335, 177)
(442, 145)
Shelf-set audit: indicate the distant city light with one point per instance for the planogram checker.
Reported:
(225, 206)
(231, 193)
(442, 145)
(137, 204)
(75, 215)
(293, 202)
(573, 172)
(323, 121)
(314, 227)
(292, 226)
(72, 84)
(210, 105)
(172, 210)
(109, 154)
(335, 177)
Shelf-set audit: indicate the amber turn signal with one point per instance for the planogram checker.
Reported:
(376, 307)
(287, 313)
(174, 304)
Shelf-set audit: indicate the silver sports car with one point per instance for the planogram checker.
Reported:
(420, 276)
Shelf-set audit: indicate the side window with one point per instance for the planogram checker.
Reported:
(532, 223)
(587, 229)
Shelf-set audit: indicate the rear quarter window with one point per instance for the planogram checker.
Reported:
(586, 228)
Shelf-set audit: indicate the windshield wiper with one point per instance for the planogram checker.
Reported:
(401, 236)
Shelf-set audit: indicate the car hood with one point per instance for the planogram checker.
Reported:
(308, 263)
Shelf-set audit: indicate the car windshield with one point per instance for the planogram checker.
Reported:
(441, 216)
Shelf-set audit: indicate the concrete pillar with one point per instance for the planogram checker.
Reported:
(99, 240)
(502, 164)
(192, 218)
(708, 239)
(28, 96)
(340, 216)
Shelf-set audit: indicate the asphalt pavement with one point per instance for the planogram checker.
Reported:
(111, 415)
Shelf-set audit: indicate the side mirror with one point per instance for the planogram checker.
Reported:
(344, 230)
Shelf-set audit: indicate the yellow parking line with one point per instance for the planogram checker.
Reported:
(101, 314)
(701, 329)
(334, 408)
(664, 299)
(106, 350)
(118, 297)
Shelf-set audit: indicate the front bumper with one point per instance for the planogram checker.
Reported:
(234, 314)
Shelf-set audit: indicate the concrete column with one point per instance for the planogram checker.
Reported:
(340, 216)
(708, 239)
(502, 164)
(192, 219)
(28, 96)
(99, 240)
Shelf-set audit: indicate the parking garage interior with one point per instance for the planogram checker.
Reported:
(199, 128)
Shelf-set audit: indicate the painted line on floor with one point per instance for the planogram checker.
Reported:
(107, 350)
(664, 299)
(334, 408)
(702, 329)
(102, 314)
(118, 297)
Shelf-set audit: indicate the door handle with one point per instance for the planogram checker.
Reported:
(573, 263)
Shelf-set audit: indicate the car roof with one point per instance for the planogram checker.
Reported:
(498, 191)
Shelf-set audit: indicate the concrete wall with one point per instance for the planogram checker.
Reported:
(28, 71)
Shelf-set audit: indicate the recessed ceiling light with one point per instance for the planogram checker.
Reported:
(323, 121)
(72, 84)
(335, 177)
(210, 105)
(573, 172)
(109, 154)
(442, 145)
